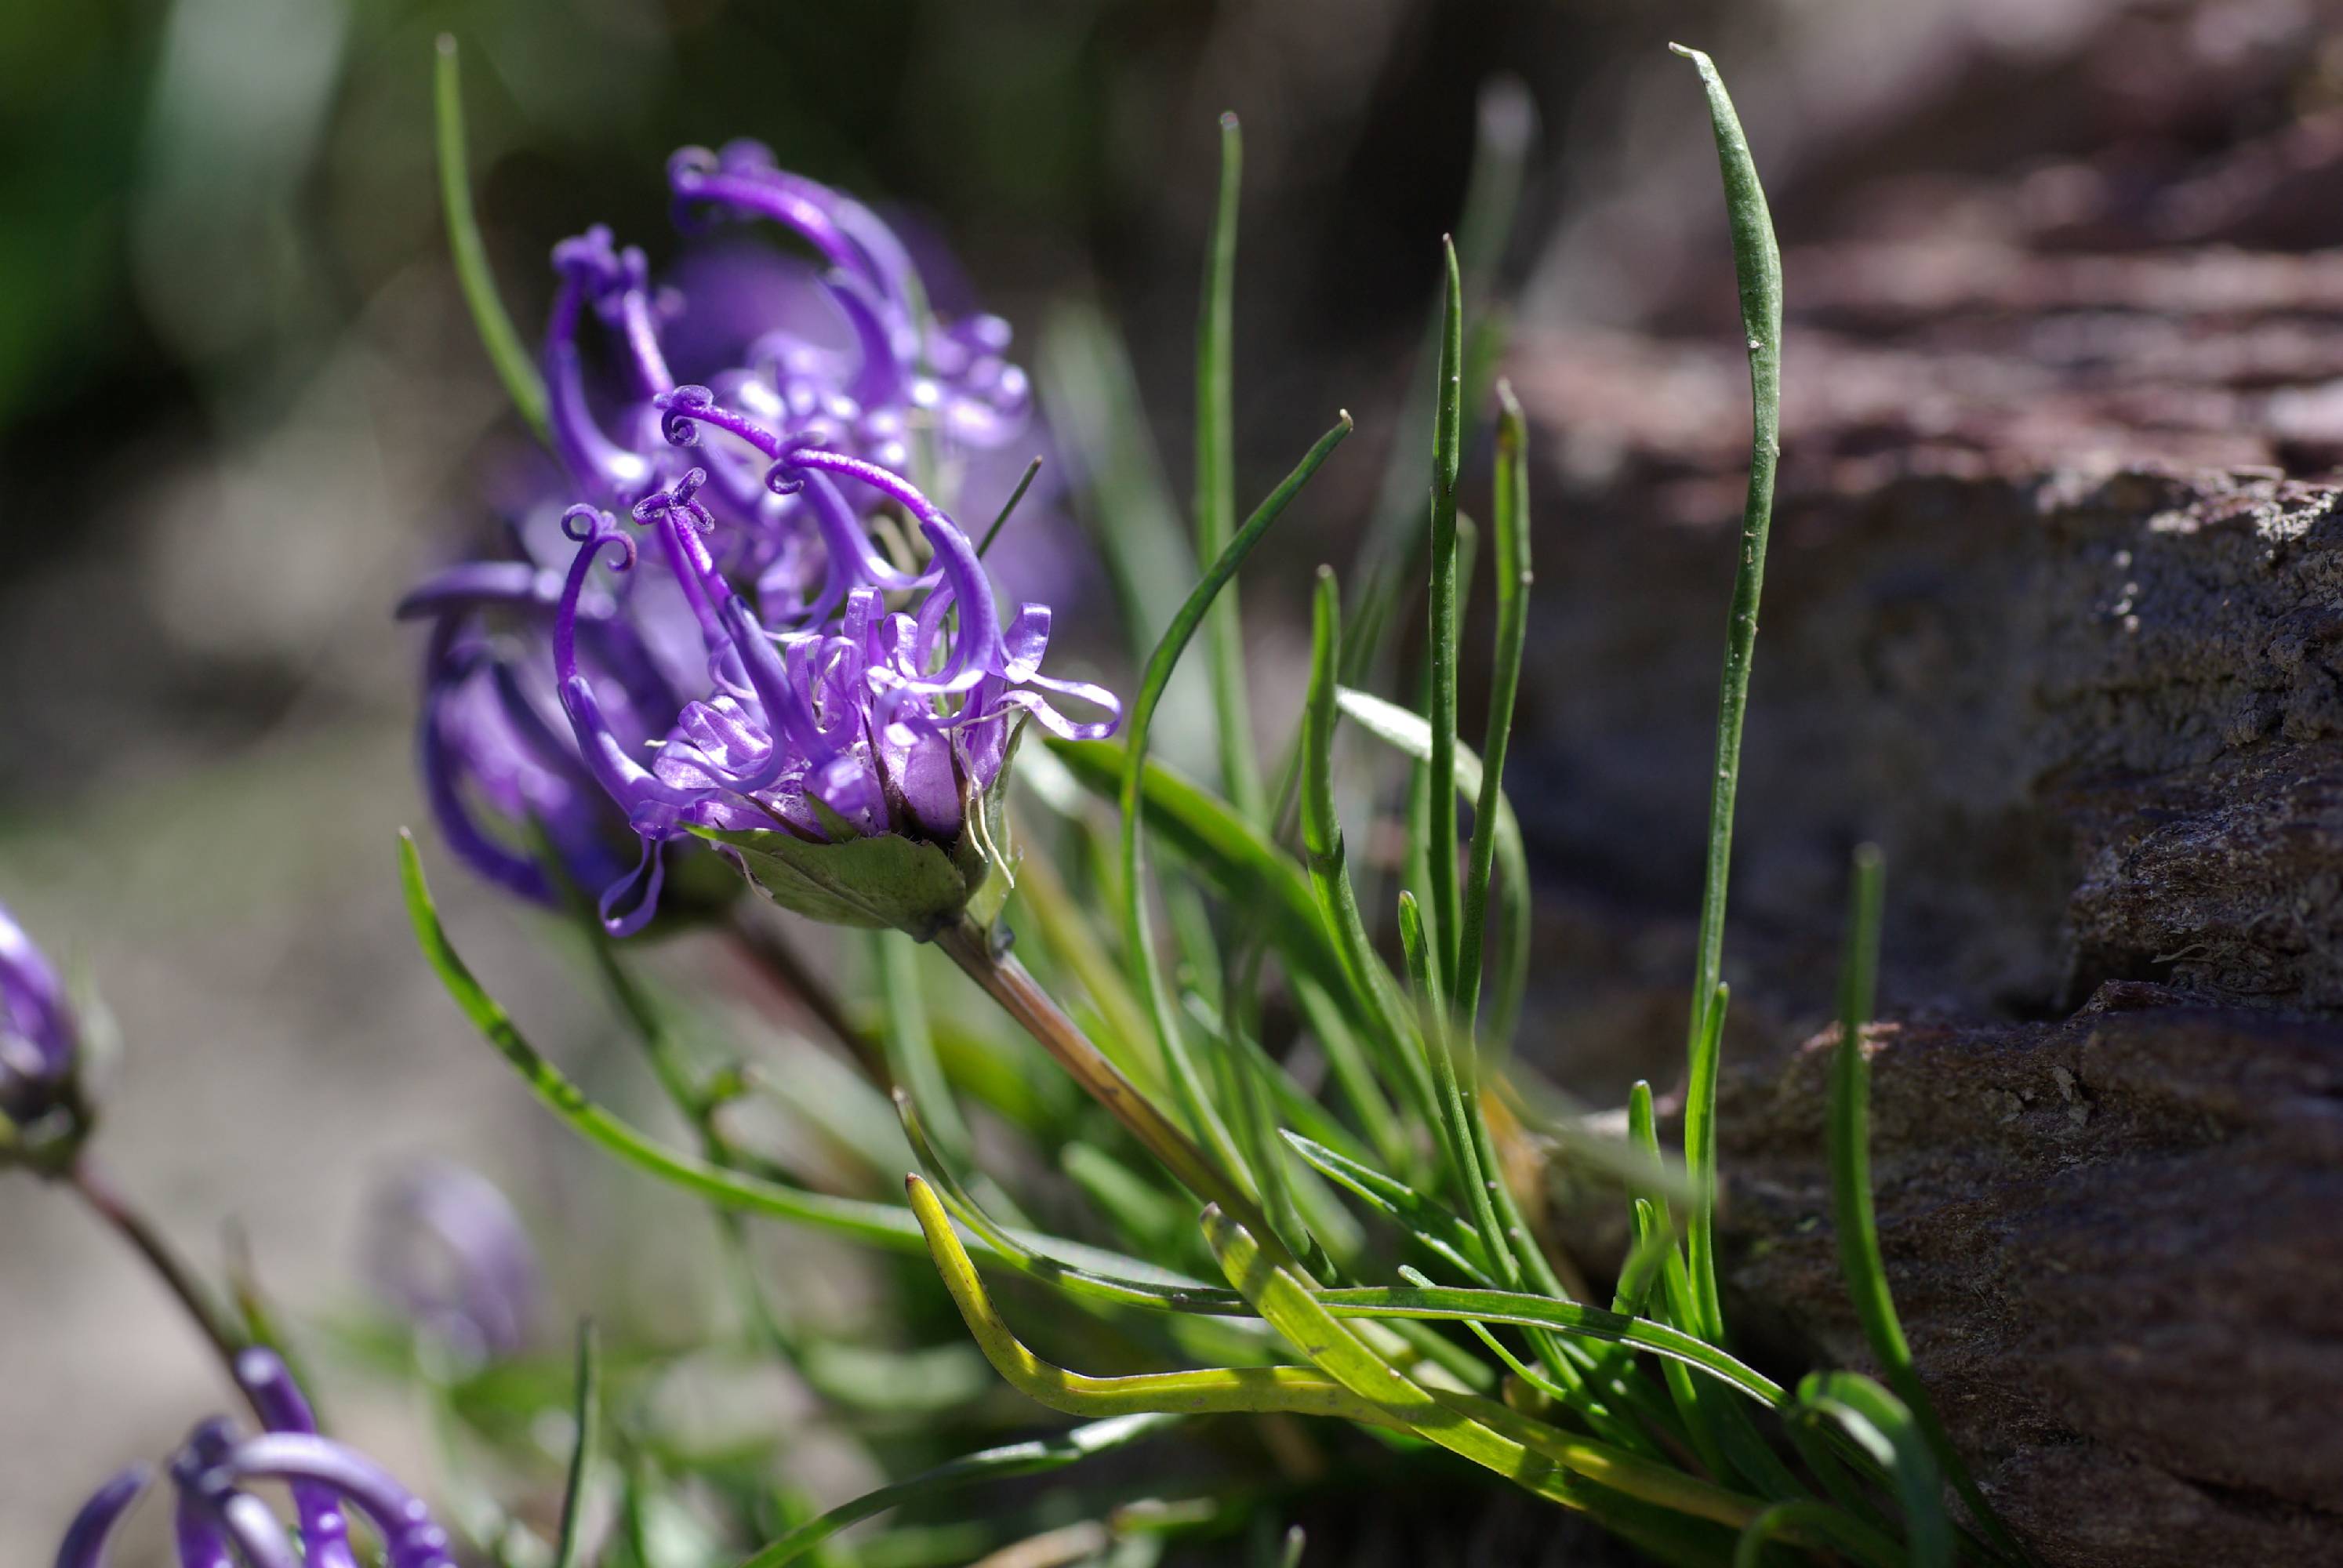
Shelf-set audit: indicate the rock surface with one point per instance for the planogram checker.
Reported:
(2055, 615)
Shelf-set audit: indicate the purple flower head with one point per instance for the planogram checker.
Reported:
(218, 1521)
(445, 1247)
(759, 678)
(39, 1046)
(848, 720)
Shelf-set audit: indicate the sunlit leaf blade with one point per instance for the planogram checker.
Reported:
(1550, 1462)
(514, 368)
(1525, 1310)
(1254, 1389)
(1757, 262)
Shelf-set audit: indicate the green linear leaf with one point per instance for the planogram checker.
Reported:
(878, 1224)
(1882, 1426)
(1216, 484)
(1511, 568)
(1757, 262)
(1203, 831)
(586, 1455)
(1526, 1311)
(513, 364)
(1139, 947)
(1441, 925)
(1855, 1218)
(1034, 1457)
(1441, 1231)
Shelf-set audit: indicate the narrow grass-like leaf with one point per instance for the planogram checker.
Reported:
(1139, 947)
(1363, 976)
(1478, 1429)
(1140, 1210)
(1070, 1266)
(1393, 552)
(1757, 262)
(1260, 1390)
(1034, 1457)
(1447, 451)
(1290, 1099)
(1512, 568)
(1654, 1228)
(585, 1454)
(1410, 734)
(1525, 1311)
(910, 1048)
(1440, 1231)
(1815, 1521)
(1883, 1428)
(1455, 1130)
(1216, 486)
(514, 368)
(1860, 1258)
(1354, 1075)
(880, 1224)
(1001, 520)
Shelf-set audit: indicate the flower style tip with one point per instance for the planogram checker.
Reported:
(217, 1521)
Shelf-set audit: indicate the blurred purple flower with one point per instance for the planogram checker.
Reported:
(215, 1521)
(445, 1245)
(494, 750)
(38, 1043)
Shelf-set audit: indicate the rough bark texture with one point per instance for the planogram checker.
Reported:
(2050, 620)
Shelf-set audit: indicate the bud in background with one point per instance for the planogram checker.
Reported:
(445, 1249)
(41, 1112)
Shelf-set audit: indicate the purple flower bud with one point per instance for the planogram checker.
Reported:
(218, 1523)
(445, 1246)
(38, 1043)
